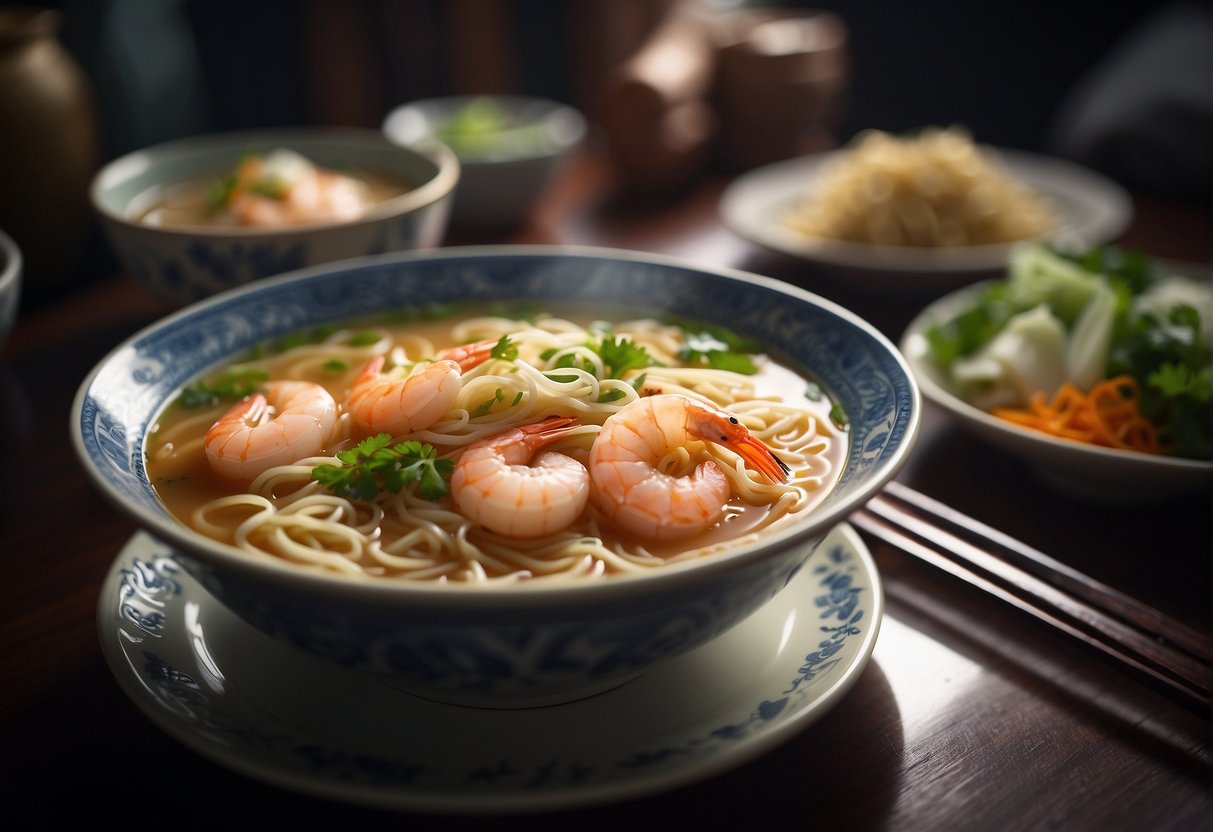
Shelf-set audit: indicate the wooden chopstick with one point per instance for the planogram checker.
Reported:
(1165, 653)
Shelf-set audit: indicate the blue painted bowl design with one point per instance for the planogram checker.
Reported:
(525, 644)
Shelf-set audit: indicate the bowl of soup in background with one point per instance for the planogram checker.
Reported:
(522, 643)
(186, 258)
(510, 149)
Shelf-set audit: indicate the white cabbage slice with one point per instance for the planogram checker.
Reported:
(1087, 351)
(1027, 356)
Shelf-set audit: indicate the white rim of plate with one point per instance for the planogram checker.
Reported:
(798, 685)
(1094, 209)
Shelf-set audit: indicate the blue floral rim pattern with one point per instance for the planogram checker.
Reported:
(155, 620)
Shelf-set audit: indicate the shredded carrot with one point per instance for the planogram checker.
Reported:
(1107, 415)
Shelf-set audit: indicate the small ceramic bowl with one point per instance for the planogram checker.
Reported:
(10, 284)
(1093, 474)
(510, 149)
(182, 265)
(528, 643)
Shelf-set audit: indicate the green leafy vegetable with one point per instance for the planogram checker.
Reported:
(372, 466)
(232, 385)
(838, 415)
(1159, 331)
(618, 355)
(270, 187)
(613, 395)
(718, 347)
(298, 338)
(504, 349)
(219, 193)
(970, 330)
(706, 348)
(363, 339)
(484, 127)
(1040, 275)
(1177, 398)
(564, 361)
(485, 407)
(621, 355)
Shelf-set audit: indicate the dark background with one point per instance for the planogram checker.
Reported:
(165, 68)
(1123, 88)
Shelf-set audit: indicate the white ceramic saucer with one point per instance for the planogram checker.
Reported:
(261, 708)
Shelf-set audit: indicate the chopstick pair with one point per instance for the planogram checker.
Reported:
(1170, 656)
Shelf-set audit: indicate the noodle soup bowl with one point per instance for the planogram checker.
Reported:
(524, 643)
(184, 263)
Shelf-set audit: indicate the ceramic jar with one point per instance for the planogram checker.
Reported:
(781, 82)
(49, 144)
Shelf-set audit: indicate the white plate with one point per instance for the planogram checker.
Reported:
(1093, 210)
(1094, 473)
(259, 707)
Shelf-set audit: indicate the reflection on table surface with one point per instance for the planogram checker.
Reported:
(970, 715)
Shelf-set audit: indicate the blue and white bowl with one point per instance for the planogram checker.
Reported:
(525, 644)
(182, 265)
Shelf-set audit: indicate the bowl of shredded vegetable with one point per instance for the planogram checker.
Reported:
(1092, 366)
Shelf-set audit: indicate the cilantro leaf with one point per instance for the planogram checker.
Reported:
(970, 330)
(371, 467)
(485, 407)
(1177, 399)
(567, 360)
(614, 395)
(504, 349)
(620, 355)
(719, 350)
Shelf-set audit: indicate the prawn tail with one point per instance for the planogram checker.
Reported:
(759, 457)
(471, 355)
(370, 370)
(539, 434)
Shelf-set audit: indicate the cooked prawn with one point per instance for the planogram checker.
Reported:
(501, 484)
(378, 403)
(632, 491)
(289, 421)
(283, 189)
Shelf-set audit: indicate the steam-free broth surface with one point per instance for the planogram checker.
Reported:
(565, 364)
(268, 190)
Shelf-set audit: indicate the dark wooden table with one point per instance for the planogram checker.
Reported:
(970, 716)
